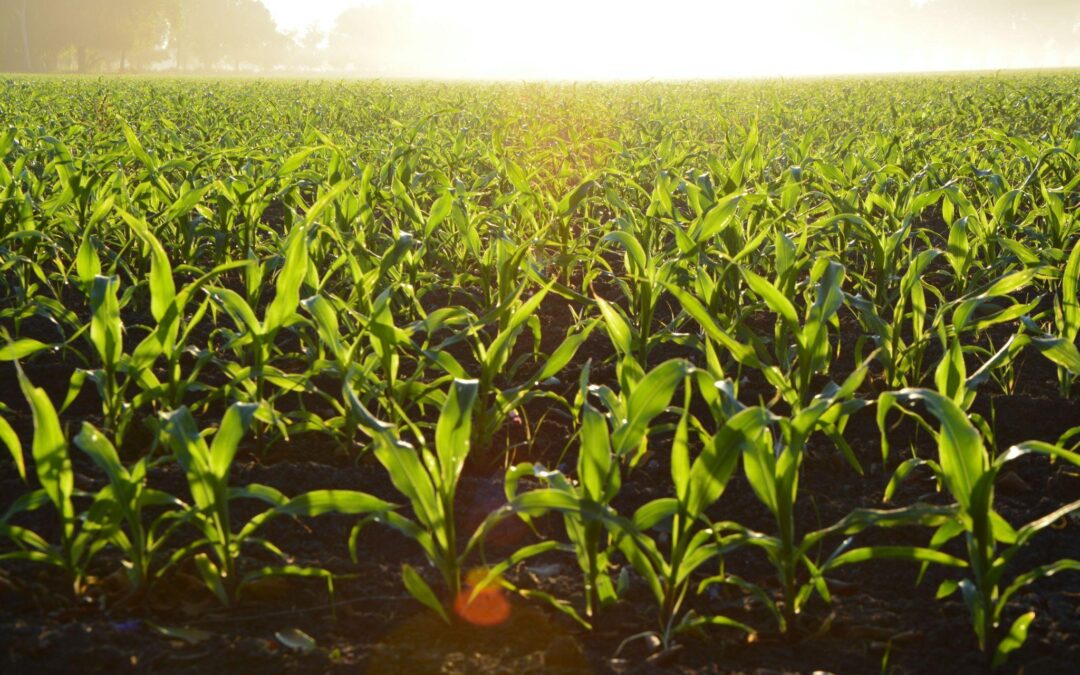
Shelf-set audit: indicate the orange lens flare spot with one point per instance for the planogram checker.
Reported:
(488, 607)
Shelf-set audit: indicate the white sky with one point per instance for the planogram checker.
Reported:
(640, 39)
(297, 15)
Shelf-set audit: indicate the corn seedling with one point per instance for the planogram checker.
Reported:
(966, 470)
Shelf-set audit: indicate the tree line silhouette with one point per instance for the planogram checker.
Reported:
(126, 35)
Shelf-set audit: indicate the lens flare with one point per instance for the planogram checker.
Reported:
(486, 607)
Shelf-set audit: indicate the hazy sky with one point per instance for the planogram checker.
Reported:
(297, 15)
(631, 39)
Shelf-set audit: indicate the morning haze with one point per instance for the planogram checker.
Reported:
(557, 39)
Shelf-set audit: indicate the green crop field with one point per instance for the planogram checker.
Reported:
(564, 377)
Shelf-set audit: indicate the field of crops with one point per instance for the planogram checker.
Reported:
(537, 378)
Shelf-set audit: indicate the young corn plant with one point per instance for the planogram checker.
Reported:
(968, 472)
(693, 540)
(902, 336)
(598, 482)
(107, 336)
(171, 337)
(339, 350)
(1060, 345)
(811, 354)
(256, 337)
(168, 339)
(82, 534)
(639, 401)
(771, 465)
(495, 402)
(207, 468)
(642, 285)
(597, 531)
(429, 481)
(606, 441)
(140, 536)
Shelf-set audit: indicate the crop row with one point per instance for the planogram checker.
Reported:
(714, 275)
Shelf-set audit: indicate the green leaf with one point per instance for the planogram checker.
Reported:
(565, 352)
(11, 440)
(326, 320)
(192, 454)
(618, 329)
(345, 502)
(297, 159)
(947, 588)
(162, 287)
(650, 397)
(101, 451)
(237, 308)
(633, 249)
(651, 514)
(1016, 637)
(759, 465)
(569, 203)
(185, 203)
(961, 452)
(211, 577)
(500, 346)
(1031, 576)
(7, 139)
(951, 374)
(598, 475)
(776, 300)
(1040, 447)
(454, 429)
(680, 456)
(1070, 295)
(324, 201)
(1059, 350)
(902, 472)
(106, 330)
(958, 250)
(234, 425)
(50, 452)
(87, 263)
(1009, 283)
(556, 603)
(716, 218)
(137, 147)
(495, 572)
(439, 211)
(713, 620)
(419, 589)
(290, 278)
(410, 478)
(21, 348)
(911, 553)
(713, 467)
(742, 353)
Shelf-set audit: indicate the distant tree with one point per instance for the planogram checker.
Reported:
(20, 14)
(33, 33)
(195, 32)
(258, 41)
(311, 47)
(115, 29)
(375, 39)
(215, 32)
